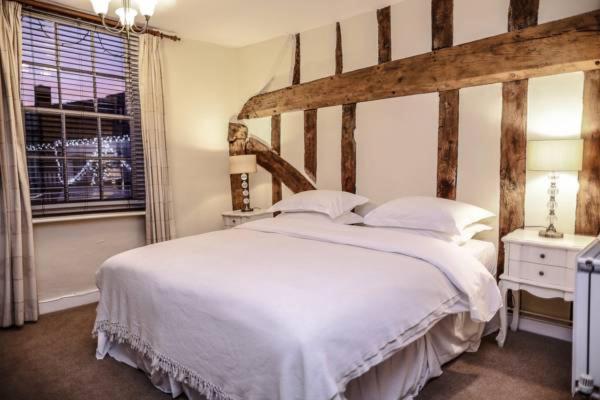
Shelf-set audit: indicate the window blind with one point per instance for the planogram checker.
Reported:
(80, 96)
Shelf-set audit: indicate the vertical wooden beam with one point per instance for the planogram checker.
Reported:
(513, 141)
(339, 58)
(310, 143)
(442, 19)
(276, 147)
(348, 148)
(296, 73)
(385, 34)
(447, 166)
(587, 220)
(442, 26)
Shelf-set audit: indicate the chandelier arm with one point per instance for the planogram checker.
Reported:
(140, 29)
(112, 30)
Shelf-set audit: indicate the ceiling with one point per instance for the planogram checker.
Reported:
(241, 22)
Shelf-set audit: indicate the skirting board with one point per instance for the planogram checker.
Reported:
(543, 328)
(69, 301)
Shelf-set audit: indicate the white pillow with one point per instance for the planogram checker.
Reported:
(427, 213)
(467, 234)
(331, 202)
(348, 218)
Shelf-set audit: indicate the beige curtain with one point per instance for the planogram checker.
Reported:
(160, 224)
(18, 291)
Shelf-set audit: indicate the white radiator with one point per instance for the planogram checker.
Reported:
(586, 320)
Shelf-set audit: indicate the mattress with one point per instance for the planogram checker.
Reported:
(485, 252)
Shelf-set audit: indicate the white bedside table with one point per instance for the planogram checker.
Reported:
(541, 266)
(233, 218)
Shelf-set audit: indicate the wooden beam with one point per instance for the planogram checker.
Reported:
(568, 45)
(58, 9)
(348, 148)
(442, 19)
(587, 220)
(310, 144)
(522, 14)
(296, 73)
(276, 147)
(277, 166)
(339, 57)
(513, 140)
(447, 167)
(385, 34)
(236, 136)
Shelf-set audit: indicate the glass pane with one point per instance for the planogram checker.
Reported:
(45, 181)
(116, 179)
(109, 54)
(75, 48)
(83, 180)
(43, 134)
(111, 95)
(39, 86)
(77, 91)
(115, 139)
(38, 41)
(82, 136)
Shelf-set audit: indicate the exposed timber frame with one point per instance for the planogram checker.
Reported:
(567, 45)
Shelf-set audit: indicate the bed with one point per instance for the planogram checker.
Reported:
(292, 309)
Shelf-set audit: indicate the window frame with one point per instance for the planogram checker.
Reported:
(136, 200)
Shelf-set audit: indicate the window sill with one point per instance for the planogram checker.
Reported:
(85, 217)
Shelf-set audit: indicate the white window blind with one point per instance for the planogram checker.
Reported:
(79, 89)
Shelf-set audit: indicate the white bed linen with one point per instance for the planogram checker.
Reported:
(221, 312)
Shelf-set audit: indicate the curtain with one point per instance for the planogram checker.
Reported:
(18, 290)
(160, 224)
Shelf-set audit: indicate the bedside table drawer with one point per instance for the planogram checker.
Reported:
(547, 274)
(539, 255)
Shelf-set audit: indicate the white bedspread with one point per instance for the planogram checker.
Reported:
(284, 309)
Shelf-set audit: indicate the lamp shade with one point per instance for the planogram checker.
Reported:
(554, 155)
(243, 164)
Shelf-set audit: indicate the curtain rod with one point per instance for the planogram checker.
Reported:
(84, 16)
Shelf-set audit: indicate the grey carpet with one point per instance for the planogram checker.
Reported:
(54, 359)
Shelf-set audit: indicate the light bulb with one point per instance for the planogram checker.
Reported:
(147, 7)
(100, 6)
(126, 16)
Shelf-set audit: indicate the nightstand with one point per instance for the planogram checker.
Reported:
(541, 266)
(234, 218)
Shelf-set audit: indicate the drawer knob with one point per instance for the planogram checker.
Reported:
(542, 256)
(541, 273)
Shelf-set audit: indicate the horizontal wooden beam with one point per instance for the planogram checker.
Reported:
(277, 166)
(567, 45)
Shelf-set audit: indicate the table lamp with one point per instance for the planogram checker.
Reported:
(244, 164)
(554, 156)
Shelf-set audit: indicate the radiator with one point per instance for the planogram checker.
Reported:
(586, 321)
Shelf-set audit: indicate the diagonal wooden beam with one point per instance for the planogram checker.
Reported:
(513, 139)
(587, 220)
(277, 166)
(442, 29)
(567, 45)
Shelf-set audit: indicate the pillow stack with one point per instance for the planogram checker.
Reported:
(448, 220)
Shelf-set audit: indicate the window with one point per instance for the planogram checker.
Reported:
(79, 90)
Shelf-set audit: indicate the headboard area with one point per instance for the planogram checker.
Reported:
(527, 50)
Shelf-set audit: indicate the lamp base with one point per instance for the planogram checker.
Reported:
(247, 209)
(551, 234)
